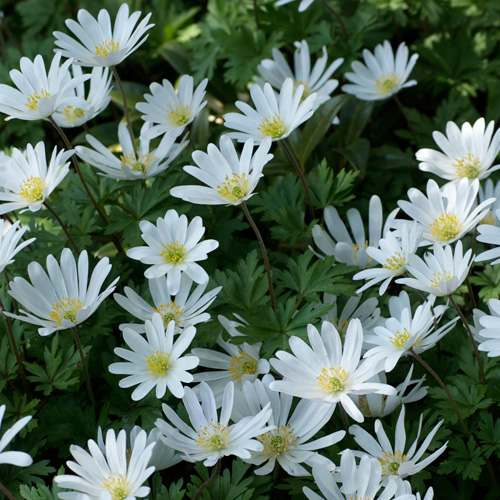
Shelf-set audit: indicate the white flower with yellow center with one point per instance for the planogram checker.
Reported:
(382, 75)
(212, 437)
(327, 370)
(468, 152)
(64, 297)
(156, 361)
(10, 235)
(173, 248)
(19, 458)
(445, 215)
(275, 116)
(396, 462)
(170, 109)
(441, 272)
(116, 472)
(97, 43)
(230, 179)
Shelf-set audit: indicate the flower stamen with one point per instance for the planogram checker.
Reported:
(468, 166)
(241, 365)
(174, 253)
(179, 115)
(32, 189)
(278, 441)
(387, 83)
(213, 437)
(105, 48)
(234, 188)
(169, 312)
(446, 227)
(34, 99)
(390, 462)
(117, 485)
(273, 126)
(159, 363)
(67, 309)
(333, 380)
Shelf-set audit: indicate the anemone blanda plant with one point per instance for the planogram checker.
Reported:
(10, 235)
(19, 458)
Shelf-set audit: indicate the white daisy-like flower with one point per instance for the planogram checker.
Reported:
(342, 245)
(116, 472)
(490, 331)
(19, 458)
(468, 152)
(97, 43)
(445, 215)
(275, 116)
(328, 371)
(132, 164)
(27, 180)
(40, 93)
(441, 272)
(486, 191)
(183, 309)
(230, 179)
(393, 253)
(277, 70)
(63, 298)
(172, 110)
(156, 361)
(289, 443)
(405, 331)
(304, 4)
(489, 234)
(211, 437)
(173, 247)
(382, 75)
(396, 463)
(10, 235)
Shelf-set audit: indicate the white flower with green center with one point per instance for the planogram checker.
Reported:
(212, 437)
(156, 361)
(115, 472)
(97, 43)
(275, 116)
(10, 235)
(173, 248)
(467, 152)
(327, 370)
(230, 179)
(26, 179)
(396, 462)
(172, 109)
(64, 297)
(445, 215)
(18, 458)
(382, 75)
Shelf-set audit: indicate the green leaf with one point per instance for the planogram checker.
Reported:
(357, 153)
(465, 459)
(489, 434)
(489, 281)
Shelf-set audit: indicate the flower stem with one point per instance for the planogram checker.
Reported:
(84, 365)
(63, 226)
(256, 14)
(209, 481)
(125, 105)
(264, 253)
(344, 417)
(406, 117)
(6, 492)
(339, 19)
(474, 345)
(432, 308)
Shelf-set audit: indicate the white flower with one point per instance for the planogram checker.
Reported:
(396, 463)
(275, 116)
(490, 190)
(277, 70)
(230, 179)
(446, 214)
(63, 298)
(289, 443)
(19, 458)
(395, 248)
(341, 244)
(443, 271)
(40, 93)
(99, 45)
(173, 247)
(155, 361)
(304, 4)
(170, 110)
(328, 371)
(184, 309)
(468, 153)
(490, 331)
(491, 235)
(211, 437)
(27, 180)
(10, 235)
(133, 164)
(116, 470)
(382, 75)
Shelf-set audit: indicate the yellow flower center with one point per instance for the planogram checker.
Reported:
(396, 263)
(137, 165)
(244, 364)
(273, 126)
(159, 363)
(438, 277)
(386, 83)
(341, 326)
(277, 442)
(390, 462)
(179, 115)
(72, 113)
(169, 312)
(488, 219)
(399, 340)
(468, 166)
(213, 437)
(34, 99)
(333, 380)
(307, 90)
(105, 48)
(446, 227)
(174, 253)
(117, 485)
(234, 188)
(66, 308)
(32, 189)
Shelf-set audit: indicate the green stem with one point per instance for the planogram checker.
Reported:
(6, 492)
(256, 14)
(125, 105)
(84, 365)
(63, 226)
(209, 481)
(339, 19)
